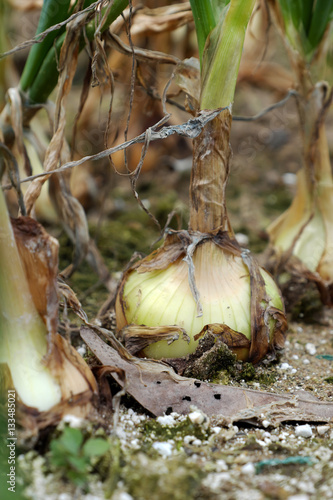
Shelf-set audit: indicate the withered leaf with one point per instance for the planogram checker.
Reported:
(161, 19)
(141, 54)
(100, 373)
(137, 337)
(161, 258)
(187, 77)
(260, 332)
(226, 334)
(67, 295)
(156, 387)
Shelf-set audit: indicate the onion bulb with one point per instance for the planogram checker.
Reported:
(219, 288)
(302, 237)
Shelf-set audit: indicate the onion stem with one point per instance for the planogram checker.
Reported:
(201, 280)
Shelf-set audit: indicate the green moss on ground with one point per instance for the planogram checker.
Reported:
(154, 430)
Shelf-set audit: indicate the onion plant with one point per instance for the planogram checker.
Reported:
(302, 237)
(200, 280)
(48, 376)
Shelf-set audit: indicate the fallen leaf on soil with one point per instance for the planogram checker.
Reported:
(160, 390)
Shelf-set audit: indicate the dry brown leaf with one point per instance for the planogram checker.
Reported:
(136, 337)
(72, 372)
(67, 65)
(166, 18)
(16, 113)
(101, 373)
(226, 334)
(189, 129)
(187, 77)
(158, 389)
(67, 296)
(73, 218)
(68, 208)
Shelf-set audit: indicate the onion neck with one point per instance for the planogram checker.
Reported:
(316, 154)
(210, 170)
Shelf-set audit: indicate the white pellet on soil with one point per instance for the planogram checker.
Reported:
(248, 468)
(304, 431)
(197, 417)
(310, 348)
(163, 448)
(322, 429)
(166, 420)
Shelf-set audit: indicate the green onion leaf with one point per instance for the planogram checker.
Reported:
(53, 12)
(204, 20)
(322, 15)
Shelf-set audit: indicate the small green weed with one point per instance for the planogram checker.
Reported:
(74, 455)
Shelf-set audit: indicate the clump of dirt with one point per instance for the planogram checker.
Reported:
(210, 358)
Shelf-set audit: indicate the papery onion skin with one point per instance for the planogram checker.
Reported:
(300, 230)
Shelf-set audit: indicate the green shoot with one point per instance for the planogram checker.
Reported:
(306, 22)
(321, 17)
(222, 57)
(204, 20)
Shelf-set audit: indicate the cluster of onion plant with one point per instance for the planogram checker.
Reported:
(302, 237)
(201, 280)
